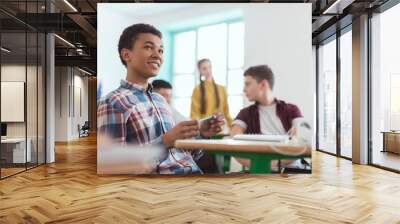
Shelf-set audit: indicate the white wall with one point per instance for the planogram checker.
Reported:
(283, 41)
(81, 83)
(275, 34)
(16, 73)
(61, 103)
(110, 25)
(67, 80)
(33, 126)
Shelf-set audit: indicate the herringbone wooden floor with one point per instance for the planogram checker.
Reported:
(70, 191)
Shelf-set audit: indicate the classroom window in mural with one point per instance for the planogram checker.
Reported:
(223, 44)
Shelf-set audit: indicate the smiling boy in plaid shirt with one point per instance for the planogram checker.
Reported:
(133, 114)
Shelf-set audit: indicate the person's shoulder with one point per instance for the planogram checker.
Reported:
(221, 87)
(112, 99)
(290, 108)
(246, 114)
(288, 105)
(196, 89)
(161, 103)
(248, 109)
(159, 98)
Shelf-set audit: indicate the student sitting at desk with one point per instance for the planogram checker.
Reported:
(133, 114)
(268, 115)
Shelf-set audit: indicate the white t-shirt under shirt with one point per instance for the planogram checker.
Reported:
(269, 121)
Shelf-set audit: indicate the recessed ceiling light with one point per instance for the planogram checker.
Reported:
(5, 50)
(84, 71)
(64, 40)
(337, 7)
(70, 5)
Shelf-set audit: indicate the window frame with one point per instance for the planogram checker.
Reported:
(334, 37)
(194, 73)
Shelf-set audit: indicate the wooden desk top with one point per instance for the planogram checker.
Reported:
(13, 140)
(390, 132)
(230, 145)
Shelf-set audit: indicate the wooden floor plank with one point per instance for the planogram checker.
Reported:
(70, 191)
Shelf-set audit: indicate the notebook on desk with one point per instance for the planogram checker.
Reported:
(258, 137)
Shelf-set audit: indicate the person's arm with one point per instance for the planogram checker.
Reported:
(226, 108)
(183, 130)
(195, 105)
(191, 129)
(111, 123)
(213, 126)
(239, 125)
(114, 155)
(297, 118)
(237, 130)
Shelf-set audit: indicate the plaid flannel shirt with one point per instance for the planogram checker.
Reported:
(132, 114)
